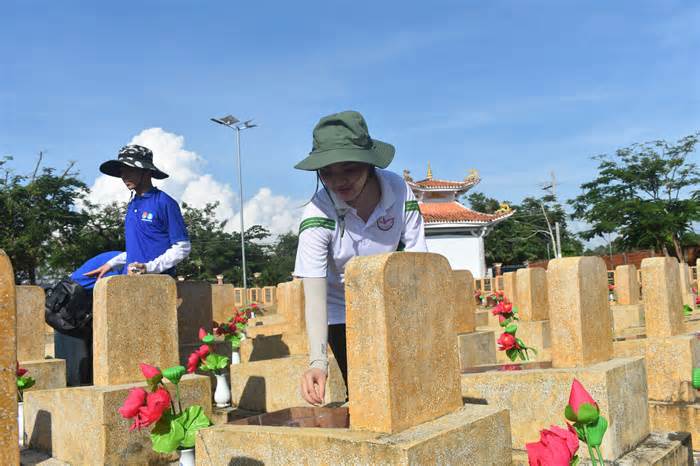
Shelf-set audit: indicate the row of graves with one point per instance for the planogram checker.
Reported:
(553, 371)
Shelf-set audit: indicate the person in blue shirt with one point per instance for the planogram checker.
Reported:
(74, 345)
(155, 232)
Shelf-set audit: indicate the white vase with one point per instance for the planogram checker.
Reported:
(20, 422)
(187, 457)
(235, 357)
(222, 394)
(252, 314)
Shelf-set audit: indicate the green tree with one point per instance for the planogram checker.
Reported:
(643, 193)
(37, 211)
(282, 256)
(103, 230)
(525, 236)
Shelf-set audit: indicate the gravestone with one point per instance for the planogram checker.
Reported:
(533, 303)
(9, 445)
(663, 306)
(222, 302)
(389, 388)
(626, 284)
(510, 286)
(580, 319)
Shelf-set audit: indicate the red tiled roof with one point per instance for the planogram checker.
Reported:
(454, 212)
(442, 184)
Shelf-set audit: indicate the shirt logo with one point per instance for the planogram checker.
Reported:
(147, 216)
(385, 223)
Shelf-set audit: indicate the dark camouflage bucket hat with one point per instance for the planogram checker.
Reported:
(344, 137)
(134, 156)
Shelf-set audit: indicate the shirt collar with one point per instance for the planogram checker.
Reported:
(150, 193)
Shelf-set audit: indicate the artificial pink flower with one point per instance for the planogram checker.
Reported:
(149, 371)
(507, 341)
(202, 333)
(134, 401)
(578, 396)
(156, 404)
(203, 351)
(557, 447)
(193, 362)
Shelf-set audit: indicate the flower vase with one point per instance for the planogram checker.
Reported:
(235, 357)
(187, 457)
(611, 296)
(222, 394)
(20, 422)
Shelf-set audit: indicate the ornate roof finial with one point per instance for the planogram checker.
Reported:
(503, 208)
(473, 175)
(407, 175)
(430, 173)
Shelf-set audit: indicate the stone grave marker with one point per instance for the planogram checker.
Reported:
(9, 437)
(533, 302)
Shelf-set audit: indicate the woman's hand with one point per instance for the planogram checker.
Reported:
(313, 386)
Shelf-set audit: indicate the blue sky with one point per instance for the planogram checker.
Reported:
(515, 89)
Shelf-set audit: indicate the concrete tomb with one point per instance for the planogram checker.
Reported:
(582, 348)
(397, 349)
(135, 320)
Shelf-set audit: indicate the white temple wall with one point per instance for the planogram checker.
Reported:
(463, 252)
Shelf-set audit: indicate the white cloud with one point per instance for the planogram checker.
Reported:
(279, 214)
(189, 183)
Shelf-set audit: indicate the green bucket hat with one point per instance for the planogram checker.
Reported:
(344, 137)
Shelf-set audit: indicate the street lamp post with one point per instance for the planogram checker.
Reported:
(234, 123)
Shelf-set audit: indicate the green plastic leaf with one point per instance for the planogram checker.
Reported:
(574, 461)
(235, 341)
(174, 374)
(570, 414)
(511, 328)
(167, 434)
(25, 382)
(192, 419)
(696, 378)
(512, 354)
(587, 413)
(209, 339)
(241, 326)
(596, 431)
(687, 310)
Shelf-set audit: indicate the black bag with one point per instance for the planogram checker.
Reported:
(68, 306)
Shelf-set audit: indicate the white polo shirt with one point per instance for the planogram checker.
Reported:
(395, 224)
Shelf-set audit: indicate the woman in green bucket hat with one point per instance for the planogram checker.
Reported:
(361, 210)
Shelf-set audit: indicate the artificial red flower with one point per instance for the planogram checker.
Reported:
(611, 287)
(156, 404)
(20, 370)
(136, 399)
(579, 396)
(501, 318)
(192, 362)
(507, 341)
(149, 371)
(203, 351)
(503, 308)
(202, 333)
(557, 447)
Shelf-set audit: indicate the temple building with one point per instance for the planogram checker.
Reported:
(451, 229)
